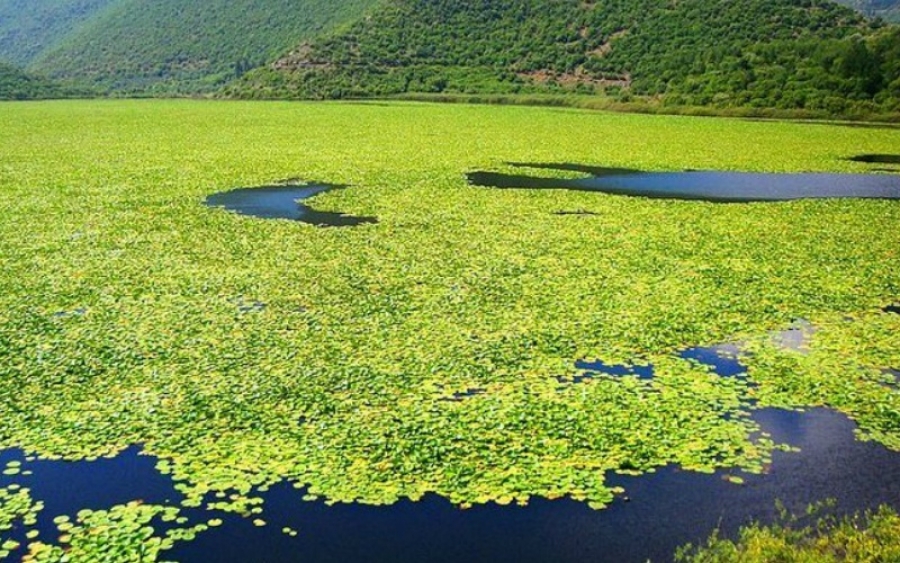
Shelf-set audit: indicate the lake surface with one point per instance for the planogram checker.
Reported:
(664, 510)
(660, 511)
(700, 185)
(282, 202)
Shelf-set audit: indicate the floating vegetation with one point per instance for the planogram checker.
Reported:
(335, 377)
(16, 508)
(843, 367)
(123, 533)
(813, 536)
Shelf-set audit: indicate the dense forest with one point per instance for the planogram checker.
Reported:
(811, 54)
(163, 46)
(16, 84)
(31, 27)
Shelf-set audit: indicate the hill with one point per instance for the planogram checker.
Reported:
(889, 10)
(30, 27)
(771, 53)
(16, 84)
(165, 46)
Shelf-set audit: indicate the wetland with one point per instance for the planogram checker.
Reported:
(557, 368)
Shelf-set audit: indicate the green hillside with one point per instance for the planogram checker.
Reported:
(889, 10)
(185, 45)
(16, 84)
(30, 27)
(774, 53)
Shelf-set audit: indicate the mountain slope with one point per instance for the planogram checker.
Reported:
(773, 53)
(889, 10)
(30, 27)
(186, 45)
(16, 84)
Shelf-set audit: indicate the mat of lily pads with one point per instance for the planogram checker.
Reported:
(244, 352)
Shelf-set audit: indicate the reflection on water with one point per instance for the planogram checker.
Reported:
(724, 359)
(700, 185)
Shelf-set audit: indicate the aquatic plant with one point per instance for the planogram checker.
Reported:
(122, 533)
(17, 507)
(123, 318)
(872, 536)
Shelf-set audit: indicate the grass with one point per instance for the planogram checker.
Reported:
(654, 105)
(120, 295)
(866, 538)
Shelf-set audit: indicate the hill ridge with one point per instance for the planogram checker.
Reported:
(778, 53)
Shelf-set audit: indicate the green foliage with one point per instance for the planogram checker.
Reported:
(873, 537)
(16, 508)
(30, 27)
(16, 84)
(122, 534)
(169, 46)
(843, 367)
(763, 53)
(119, 293)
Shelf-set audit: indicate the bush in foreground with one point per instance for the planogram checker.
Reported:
(872, 537)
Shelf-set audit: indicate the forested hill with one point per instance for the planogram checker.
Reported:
(31, 27)
(889, 10)
(164, 46)
(772, 53)
(16, 84)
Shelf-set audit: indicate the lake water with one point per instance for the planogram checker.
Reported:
(660, 511)
(282, 202)
(700, 185)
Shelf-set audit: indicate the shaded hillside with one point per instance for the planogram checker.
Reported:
(16, 84)
(186, 45)
(889, 10)
(30, 27)
(773, 53)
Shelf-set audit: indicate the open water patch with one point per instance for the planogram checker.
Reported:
(282, 201)
(723, 359)
(67, 487)
(700, 185)
(663, 510)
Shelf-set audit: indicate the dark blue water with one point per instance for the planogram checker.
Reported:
(701, 185)
(65, 487)
(723, 359)
(658, 512)
(282, 202)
